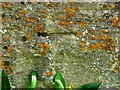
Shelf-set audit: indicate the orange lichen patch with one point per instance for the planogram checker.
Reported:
(32, 20)
(60, 23)
(64, 10)
(95, 37)
(7, 7)
(3, 19)
(58, 4)
(67, 23)
(10, 67)
(83, 24)
(28, 17)
(44, 46)
(39, 25)
(82, 44)
(68, 8)
(92, 46)
(97, 45)
(62, 18)
(63, 23)
(20, 27)
(69, 28)
(101, 19)
(115, 18)
(101, 44)
(49, 74)
(105, 31)
(1, 42)
(6, 3)
(105, 37)
(71, 2)
(109, 63)
(108, 45)
(29, 36)
(40, 30)
(119, 19)
(0, 13)
(91, 31)
(10, 49)
(108, 37)
(79, 33)
(100, 32)
(6, 39)
(37, 51)
(35, 29)
(117, 61)
(14, 72)
(6, 65)
(26, 20)
(1, 63)
(43, 53)
(53, 16)
(49, 5)
(80, 16)
(92, 18)
(75, 22)
(43, 11)
(20, 15)
(76, 8)
(7, 70)
(64, 26)
(112, 44)
(24, 11)
(32, 1)
(102, 36)
(29, 24)
(116, 68)
(44, 16)
(70, 16)
(83, 49)
(114, 23)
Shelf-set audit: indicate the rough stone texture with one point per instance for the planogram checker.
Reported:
(77, 67)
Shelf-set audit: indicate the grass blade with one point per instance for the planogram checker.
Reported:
(90, 86)
(5, 81)
(59, 81)
(33, 81)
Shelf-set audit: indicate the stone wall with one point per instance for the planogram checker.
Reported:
(78, 39)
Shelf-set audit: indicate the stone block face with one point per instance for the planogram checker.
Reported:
(81, 40)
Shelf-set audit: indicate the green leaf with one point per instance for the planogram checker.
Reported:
(5, 81)
(70, 87)
(59, 81)
(90, 86)
(33, 81)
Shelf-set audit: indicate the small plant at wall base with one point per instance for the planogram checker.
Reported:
(60, 84)
(58, 80)
(33, 81)
(5, 81)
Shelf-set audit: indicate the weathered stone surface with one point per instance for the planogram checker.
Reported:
(61, 48)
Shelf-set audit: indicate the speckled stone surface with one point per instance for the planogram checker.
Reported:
(28, 26)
